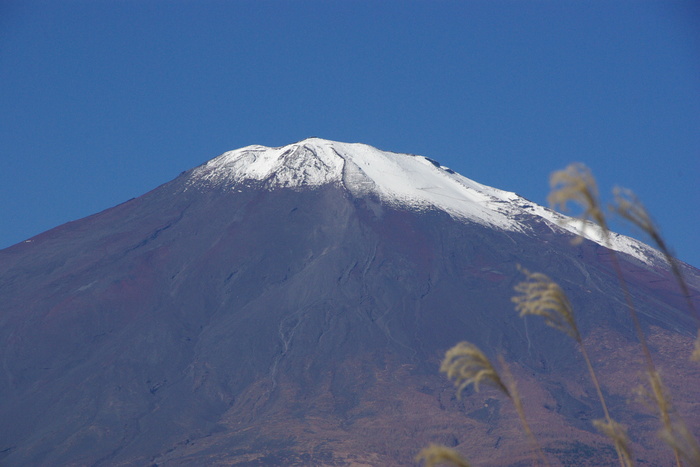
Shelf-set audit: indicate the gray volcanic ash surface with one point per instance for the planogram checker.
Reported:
(289, 306)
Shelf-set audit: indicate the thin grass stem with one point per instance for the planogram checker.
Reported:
(518, 403)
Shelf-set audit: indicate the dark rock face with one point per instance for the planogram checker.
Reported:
(305, 327)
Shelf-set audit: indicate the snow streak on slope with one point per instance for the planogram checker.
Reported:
(401, 180)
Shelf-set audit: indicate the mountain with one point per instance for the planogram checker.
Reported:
(290, 306)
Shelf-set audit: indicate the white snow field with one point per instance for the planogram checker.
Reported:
(401, 180)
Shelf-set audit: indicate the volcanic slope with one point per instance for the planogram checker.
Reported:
(290, 306)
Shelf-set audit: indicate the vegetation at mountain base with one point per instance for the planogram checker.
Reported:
(538, 295)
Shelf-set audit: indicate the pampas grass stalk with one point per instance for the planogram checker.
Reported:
(435, 455)
(618, 434)
(576, 184)
(683, 440)
(541, 296)
(518, 403)
(466, 364)
(674, 432)
(629, 207)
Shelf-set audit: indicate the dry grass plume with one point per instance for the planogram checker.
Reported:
(466, 364)
(541, 296)
(435, 455)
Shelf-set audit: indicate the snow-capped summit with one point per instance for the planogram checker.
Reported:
(409, 181)
(401, 180)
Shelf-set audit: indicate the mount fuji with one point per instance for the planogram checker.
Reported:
(290, 306)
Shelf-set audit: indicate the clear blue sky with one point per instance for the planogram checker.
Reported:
(101, 101)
